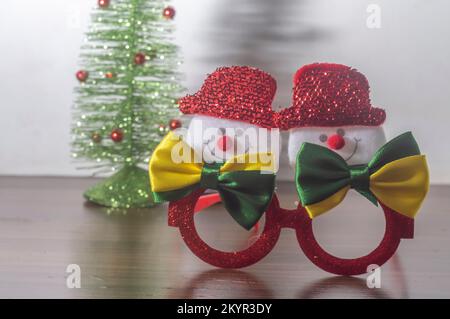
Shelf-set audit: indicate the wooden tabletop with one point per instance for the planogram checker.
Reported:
(45, 225)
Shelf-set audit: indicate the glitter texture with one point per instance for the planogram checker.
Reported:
(324, 95)
(128, 188)
(181, 215)
(238, 93)
(330, 95)
(124, 93)
(397, 227)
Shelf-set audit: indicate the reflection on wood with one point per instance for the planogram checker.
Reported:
(45, 225)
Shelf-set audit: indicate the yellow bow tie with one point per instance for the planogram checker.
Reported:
(245, 182)
(397, 176)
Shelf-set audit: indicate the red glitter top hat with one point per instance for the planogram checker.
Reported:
(330, 95)
(236, 93)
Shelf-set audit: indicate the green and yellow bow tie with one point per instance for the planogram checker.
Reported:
(245, 183)
(397, 176)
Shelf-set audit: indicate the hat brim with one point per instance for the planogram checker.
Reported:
(290, 118)
(192, 104)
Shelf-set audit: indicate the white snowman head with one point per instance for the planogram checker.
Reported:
(231, 114)
(218, 140)
(331, 107)
(355, 144)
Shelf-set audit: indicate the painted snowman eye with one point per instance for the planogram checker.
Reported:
(340, 132)
(323, 138)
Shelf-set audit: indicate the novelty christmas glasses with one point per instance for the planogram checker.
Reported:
(395, 176)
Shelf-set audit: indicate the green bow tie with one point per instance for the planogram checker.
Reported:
(245, 194)
(397, 176)
(245, 189)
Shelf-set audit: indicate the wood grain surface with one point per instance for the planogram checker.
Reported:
(45, 225)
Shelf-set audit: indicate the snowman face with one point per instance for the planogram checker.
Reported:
(356, 144)
(218, 140)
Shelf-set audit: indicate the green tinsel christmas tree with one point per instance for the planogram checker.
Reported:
(126, 99)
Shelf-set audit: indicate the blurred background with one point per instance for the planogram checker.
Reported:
(401, 46)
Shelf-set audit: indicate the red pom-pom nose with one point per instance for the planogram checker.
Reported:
(224, 143)
(336, 142)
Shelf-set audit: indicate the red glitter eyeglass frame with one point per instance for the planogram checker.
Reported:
(181, 215)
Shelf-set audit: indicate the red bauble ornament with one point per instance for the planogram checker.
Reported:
(169, 12)
(174, 124)
(82, 75)
(117, 135)
(139, 58)
(109, 75)
(103, 3)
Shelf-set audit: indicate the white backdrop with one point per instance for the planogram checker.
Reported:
(407, 62)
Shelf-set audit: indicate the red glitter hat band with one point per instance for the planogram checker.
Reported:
(236, 93)
(330, 95)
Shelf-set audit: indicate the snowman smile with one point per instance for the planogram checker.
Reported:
(357, 140)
